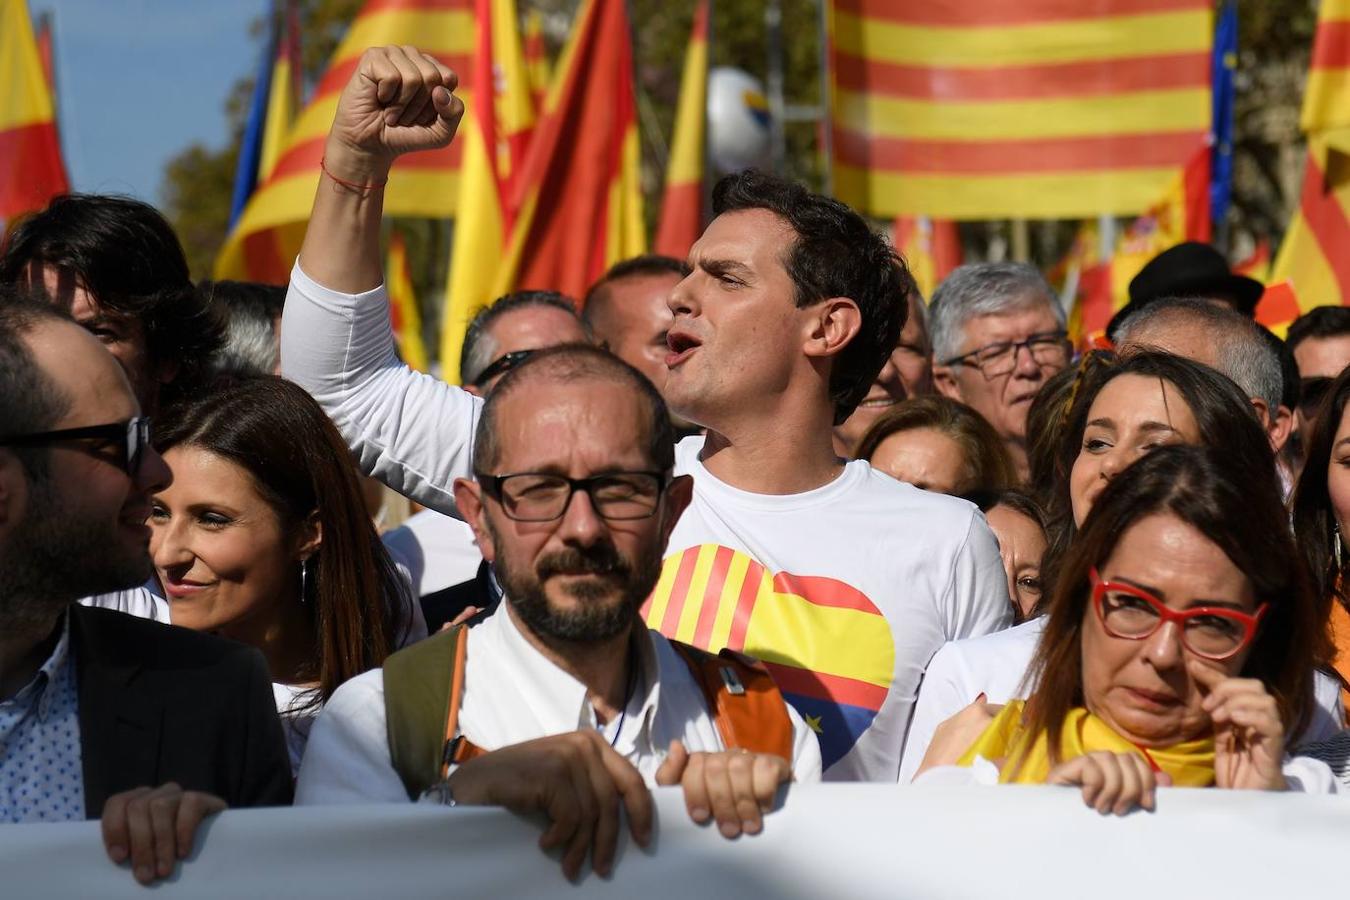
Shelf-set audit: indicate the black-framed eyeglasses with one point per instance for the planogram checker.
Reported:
(543, 496)
(1049, 348)
(130, 438)
(501, 365)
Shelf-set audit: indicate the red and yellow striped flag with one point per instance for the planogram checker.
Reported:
(579, 198)
(283, 101)
(930, 248)
(496, 134)
(682, 206)
(1313, 258)
(1016, 108)
(267, 237)
(31, 168)
(403, 314)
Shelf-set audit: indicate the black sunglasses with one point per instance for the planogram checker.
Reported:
(131, 437)
(501, 365)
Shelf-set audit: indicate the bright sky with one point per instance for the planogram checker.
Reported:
(139, 80)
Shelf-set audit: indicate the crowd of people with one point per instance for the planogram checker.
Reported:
(761, 516)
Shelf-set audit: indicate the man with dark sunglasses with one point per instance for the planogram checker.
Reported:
(105, 715)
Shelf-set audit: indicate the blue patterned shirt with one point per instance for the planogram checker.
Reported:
(41, 779)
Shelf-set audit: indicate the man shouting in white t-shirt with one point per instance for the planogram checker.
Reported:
(844, 581)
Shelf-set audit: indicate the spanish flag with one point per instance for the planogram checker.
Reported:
(496, 134)
(263, 244)
(579, 199)
(536, 58)
(1015, 108)
(31, 168)
(1313, 258)
(682, 207)
(403, 314)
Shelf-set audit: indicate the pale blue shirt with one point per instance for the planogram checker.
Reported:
(41, 778)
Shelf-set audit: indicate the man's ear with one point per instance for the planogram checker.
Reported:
(472, 389)
(1278, 426)
(469, 502)
(835, 323)
(944, 380)
(678, 495)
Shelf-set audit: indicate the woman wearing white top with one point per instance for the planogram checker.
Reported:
(1179, 648)
(1117, 412)
(263, 537)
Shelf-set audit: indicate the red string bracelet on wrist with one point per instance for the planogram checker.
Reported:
(353, 185)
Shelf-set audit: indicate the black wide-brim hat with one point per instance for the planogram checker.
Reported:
(1191, 269)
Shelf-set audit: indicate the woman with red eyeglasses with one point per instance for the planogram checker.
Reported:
(1179, 648)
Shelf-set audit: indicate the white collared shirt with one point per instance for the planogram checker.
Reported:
(513, 694)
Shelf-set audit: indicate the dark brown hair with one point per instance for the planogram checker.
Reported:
(1314, 518)
(301, 466)
(1234, 504)
(988, 466)
(1223, 414)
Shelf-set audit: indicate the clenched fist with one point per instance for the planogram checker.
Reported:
(398, 100)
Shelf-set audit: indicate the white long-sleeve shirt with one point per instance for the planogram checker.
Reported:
(513, 694)
(846, 591)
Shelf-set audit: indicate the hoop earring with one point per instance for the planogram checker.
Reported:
(304, 579)
(1336, 551)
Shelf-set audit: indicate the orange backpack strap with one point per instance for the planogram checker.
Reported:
(743, 700)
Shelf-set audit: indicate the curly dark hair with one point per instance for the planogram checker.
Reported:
(125, 254)
(836, 255)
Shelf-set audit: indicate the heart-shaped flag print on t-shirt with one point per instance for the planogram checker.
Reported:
(827, 646)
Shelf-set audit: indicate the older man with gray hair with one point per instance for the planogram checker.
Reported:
(998, 335)
(1221, 338)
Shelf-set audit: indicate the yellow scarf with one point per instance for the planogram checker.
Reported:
(1191, 764)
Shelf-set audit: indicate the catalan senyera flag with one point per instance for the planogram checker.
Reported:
(1313, 257)
(265, 241)
(31, 168)
(403, 314)
(579, 200)
(827, 646)
(1015, 108)
(276, 97)
(496, 132)
(682, 205)
(932, 249)
(1181, 214)
(283, 100)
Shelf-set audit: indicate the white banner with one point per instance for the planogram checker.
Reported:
(863, 841)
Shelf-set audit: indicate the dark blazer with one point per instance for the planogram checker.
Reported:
(159, 703)
(444, 605)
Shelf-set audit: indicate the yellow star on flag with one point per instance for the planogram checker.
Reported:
(813, 722)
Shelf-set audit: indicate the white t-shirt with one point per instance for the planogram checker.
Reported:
(863, 579)
(296, 719)
(513, 694)
(845, 592)
(996, 664)
(437, 551)
(139, 602)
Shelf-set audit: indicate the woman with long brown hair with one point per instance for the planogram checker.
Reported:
(263, 537)
(1179, 648)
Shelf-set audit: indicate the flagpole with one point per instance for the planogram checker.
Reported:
(825, 105)
(773, 42)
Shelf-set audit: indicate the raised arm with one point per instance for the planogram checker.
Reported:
(410, 430)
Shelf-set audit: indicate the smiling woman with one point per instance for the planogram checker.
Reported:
(263, 537)
(1178, 649)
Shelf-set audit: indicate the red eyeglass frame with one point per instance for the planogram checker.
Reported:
(1249, 623)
